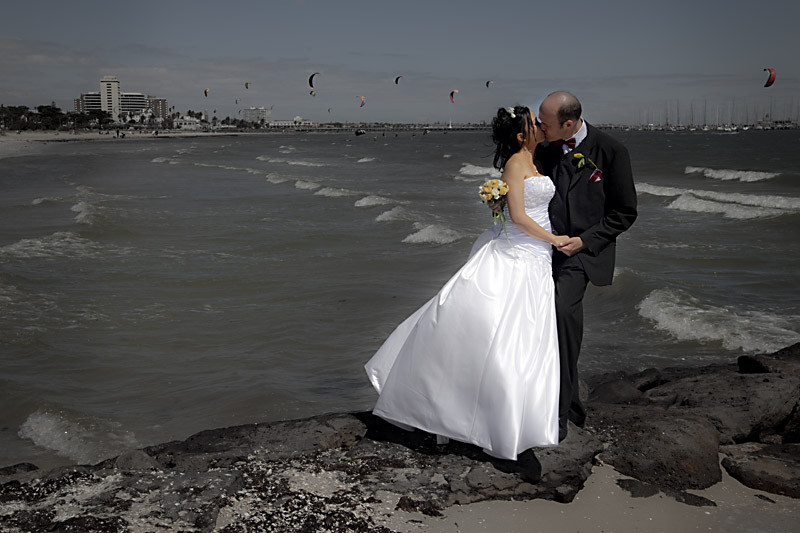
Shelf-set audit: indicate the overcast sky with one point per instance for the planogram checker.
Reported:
(627, 61)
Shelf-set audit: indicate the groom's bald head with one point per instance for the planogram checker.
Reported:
(560, 115)
(565, 105)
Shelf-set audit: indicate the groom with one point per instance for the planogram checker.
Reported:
(595, 201)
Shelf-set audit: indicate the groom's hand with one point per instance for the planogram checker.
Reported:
(571, 246)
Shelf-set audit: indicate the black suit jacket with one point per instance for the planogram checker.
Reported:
(596, 210)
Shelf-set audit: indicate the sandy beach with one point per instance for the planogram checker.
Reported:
(603, 506)
(30, 142)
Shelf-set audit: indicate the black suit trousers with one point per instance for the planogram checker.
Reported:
(570, 284)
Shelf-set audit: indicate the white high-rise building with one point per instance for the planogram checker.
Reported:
(256, 114)
(115, 102)
(110, 100)
(133, 103)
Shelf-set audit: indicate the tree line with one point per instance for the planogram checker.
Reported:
(51, 117)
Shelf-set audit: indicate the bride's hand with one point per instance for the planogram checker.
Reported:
(558, 240)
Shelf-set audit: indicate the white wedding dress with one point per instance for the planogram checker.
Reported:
(479, 363)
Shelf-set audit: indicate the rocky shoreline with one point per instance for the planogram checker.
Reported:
(665, 429)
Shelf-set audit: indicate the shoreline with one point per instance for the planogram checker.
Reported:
(713, 448)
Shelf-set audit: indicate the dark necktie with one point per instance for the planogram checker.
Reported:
(569, 142)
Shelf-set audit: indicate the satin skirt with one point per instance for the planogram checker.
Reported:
(479, 362)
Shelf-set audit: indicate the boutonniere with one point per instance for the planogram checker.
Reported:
(597, 175)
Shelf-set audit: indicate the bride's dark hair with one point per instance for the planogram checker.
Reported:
(505, 127)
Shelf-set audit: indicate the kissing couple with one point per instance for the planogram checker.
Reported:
(492, 358)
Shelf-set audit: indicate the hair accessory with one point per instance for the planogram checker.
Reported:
(511, 112)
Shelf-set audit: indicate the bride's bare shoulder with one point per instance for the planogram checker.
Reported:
(520, 166)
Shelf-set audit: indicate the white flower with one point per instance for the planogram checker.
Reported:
(511, 112)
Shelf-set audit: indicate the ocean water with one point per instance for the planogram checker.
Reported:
(153, 288)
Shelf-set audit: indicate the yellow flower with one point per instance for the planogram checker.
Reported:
(582, 160)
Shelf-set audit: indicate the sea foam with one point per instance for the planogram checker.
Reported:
(394, 214)
(369, 201)
(307, 185)
(59, 244)
(688, 319)
(365, 160)
(432, 234)
(333, 192)
(468, 169)
(297, 162)
(82, 439)
(731, 175)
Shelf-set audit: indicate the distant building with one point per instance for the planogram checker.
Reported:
(256, 114)
(296, 121)
(158, 106)
(110, 96)
(187, 123)
(116, 102)
(88, 102)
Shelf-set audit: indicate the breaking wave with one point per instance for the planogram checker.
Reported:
(731, 205)
(688, 319)
(731, 175)
(432, 234)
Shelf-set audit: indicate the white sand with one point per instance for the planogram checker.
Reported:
(602, 506)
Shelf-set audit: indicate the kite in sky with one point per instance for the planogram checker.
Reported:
(771, 78)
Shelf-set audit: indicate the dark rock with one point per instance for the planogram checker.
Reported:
(739, 405)
(768, 467)
(17, 468)
(647, 379)
(749, 364)
(790, 353)
(669, 449)
(620, 391)
(272, 441)
(135, 460)
(791, 431)
(19, 472)
(785, 361)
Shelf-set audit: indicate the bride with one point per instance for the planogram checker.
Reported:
(479, 362)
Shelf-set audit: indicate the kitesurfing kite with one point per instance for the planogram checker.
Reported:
(312, 92)
(488, 82)
(453, 94)
(397, 80)
(771, 78)
(206, 92)
(247, 85)
(363, 100)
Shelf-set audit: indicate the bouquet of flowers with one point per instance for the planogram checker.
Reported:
(495, 191)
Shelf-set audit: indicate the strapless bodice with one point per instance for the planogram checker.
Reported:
(538, 192)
